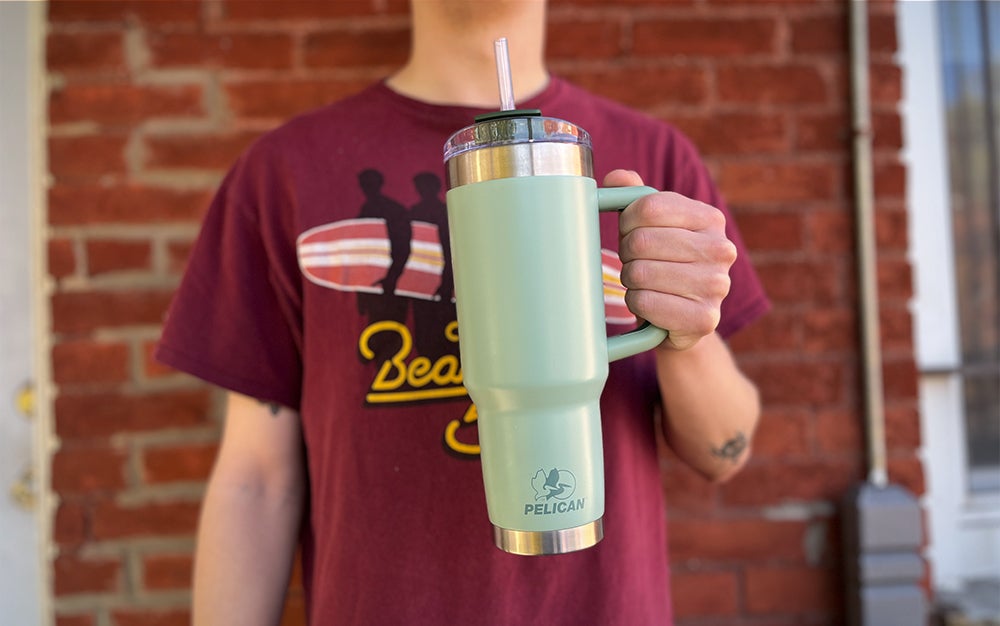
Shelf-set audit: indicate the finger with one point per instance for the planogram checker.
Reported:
(681, 316)
(677, 245)
(669, 209)
(685, 280)
(622, 178)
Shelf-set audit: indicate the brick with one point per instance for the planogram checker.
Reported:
(78, 205)
(106, 256)
(890, 180)
(61, 258)
(122, 104)
(582, 39)
(160, 519)
(886, 84)
(887, 129)
(839, 431)
(77, 619)
(294, 612)
(896, 326)
(203, 151)
(230, 50)
(783, 84)
(820, 34)
(86, 157)
(178, 253)
(779, 182)
(825, 132)
(167, 571)
(295, 583)
(703, 594)
(98, 415)
(779, 330)
(882, 36)
(88, 361)
(151, 368)
(830, 330)
(736, 540)
(724, 134)
(150, 617)
(798, 382)
(636, 3)
(765, 482)
(646, 87)
(715, 36)
(69, 523)
(791, 281)
(830, 231)
(190, 462)
(86, 311)
(73, 574)
(773, 231)
(895, 279)
(85, 51)
(781, 433)
(791, 590)
(89, 468)
(900, 377)
(891, 230)
(347, 48)
(121, 11)
(902, 426)
(281, 99)
(907, 471)
(269, 11)
(756, 4)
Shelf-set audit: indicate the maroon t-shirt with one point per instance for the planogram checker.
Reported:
(322, 281)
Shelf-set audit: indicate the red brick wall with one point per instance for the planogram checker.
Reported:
(151, 101)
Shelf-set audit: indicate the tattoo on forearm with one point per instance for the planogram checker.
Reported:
(732, 449)
(274, 407)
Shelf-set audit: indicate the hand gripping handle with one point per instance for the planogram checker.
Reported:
(646, 336)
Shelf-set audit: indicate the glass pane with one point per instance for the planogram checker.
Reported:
(970, 48)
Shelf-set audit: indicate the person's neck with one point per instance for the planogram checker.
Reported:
(454, 64)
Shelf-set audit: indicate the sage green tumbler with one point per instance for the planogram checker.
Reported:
(525, 244)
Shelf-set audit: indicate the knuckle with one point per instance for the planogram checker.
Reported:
(637, 243)
(719, 284)
(707, 321)
(716, 218)
(723, 250)
(633, 274)
(648, 209)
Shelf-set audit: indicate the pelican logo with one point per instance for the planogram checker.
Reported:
(554, 491)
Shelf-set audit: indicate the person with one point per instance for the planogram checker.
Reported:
(351, 442)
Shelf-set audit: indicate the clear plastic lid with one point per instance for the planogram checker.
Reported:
(511, 130)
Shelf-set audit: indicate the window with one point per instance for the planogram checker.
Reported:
(970, 47)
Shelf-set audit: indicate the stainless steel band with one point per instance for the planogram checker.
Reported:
(524, 159)
(533, 542)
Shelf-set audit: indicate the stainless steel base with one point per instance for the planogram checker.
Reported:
(533, 542)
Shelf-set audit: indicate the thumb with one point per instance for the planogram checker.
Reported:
(622, 178)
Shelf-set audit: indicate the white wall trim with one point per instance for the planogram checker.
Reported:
(41, 289)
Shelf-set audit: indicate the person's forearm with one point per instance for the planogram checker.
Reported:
(246, 545)
(710, 409)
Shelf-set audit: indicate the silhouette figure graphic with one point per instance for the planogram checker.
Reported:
(387, 305)
(430, 318)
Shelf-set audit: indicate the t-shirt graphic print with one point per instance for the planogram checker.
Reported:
(398, 262)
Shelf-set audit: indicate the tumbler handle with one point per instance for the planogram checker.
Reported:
(646, 336)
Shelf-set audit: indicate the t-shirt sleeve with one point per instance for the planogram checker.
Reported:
(233, 321)
(747, 300)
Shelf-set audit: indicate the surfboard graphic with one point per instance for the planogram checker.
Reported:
(355, 254)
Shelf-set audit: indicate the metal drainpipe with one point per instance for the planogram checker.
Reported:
(864, 202)
(882, 523)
